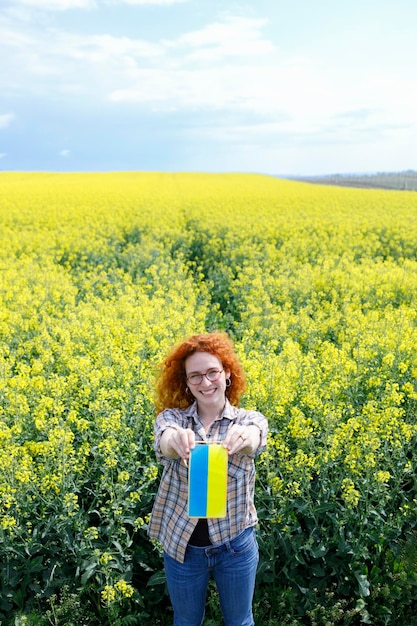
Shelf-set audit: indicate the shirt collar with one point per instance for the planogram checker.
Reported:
(228, 411)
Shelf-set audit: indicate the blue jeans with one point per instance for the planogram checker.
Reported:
(233, 566)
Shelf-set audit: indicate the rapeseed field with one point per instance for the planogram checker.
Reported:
(99, 275)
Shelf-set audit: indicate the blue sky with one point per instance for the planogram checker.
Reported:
(267, 86)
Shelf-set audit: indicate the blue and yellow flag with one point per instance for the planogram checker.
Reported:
(207, 481)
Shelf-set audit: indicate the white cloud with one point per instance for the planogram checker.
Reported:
(6, 119)
(229, 65)
(233, 37)
(209, 88)
(133, 69)
(64, 5)
(57, 5)
(2, 155)
(214, 68)
(266, 89)
(64, 153)
(156, 2)
(111, 51)
(91, 65)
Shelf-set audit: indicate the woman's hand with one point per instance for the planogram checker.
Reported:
(177, 442)
(242, 439)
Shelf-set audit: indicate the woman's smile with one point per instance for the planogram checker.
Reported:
(210, 394)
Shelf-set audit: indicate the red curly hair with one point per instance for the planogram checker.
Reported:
(171, 385)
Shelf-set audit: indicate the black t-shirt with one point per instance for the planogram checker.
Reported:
(200, 536)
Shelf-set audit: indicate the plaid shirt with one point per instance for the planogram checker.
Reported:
(169, 522)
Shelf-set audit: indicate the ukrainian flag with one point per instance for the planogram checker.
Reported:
(207, 481)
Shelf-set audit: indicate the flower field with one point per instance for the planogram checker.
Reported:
(99, 275)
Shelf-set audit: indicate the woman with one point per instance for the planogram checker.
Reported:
(198, 392)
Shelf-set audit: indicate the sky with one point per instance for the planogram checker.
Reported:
(291, 88)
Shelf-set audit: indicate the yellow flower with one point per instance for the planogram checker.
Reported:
(389, 359)
(105, 558)
(382, 477)
(91, 533)
(139, 522)
(71, 501)
(277, 484)
(134, 496)
(7, 522)
(108, 594)
(350, 495)
(124, 588)
(151, 472)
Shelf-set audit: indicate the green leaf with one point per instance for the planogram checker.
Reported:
(158, 578)
(363, 584)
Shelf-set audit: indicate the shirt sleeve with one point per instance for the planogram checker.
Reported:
(254, 418)
(169, 418)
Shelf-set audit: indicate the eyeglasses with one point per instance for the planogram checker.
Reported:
(211, 375)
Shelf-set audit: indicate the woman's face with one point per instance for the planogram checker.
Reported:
(210, 394)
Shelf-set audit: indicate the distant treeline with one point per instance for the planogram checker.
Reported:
(406, 180)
